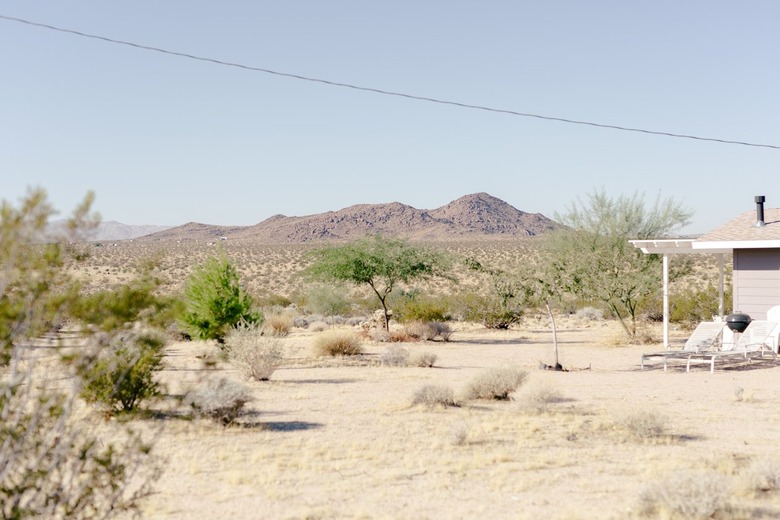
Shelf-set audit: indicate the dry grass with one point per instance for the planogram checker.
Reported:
(256, 356)
(337, 343)
(278, 324)
(395, 356)
(423, 359)
(434, 395)
(687, 495)
(496, 384)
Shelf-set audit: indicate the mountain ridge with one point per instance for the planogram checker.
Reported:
(474, 216)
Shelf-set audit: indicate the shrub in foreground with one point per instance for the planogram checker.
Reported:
(423, 359)
(688, 495)
(337, 343)
(121, 375)
(496, 383)
(395, 356)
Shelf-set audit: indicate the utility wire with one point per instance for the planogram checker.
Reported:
(385, 92)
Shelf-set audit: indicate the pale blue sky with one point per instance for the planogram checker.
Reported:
(167, 140)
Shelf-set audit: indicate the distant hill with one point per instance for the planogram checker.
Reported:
(111, 230)
(476, 216)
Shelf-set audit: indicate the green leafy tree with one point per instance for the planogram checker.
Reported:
(379, 262)
(52, 465)
(215, 301)
(592, 256)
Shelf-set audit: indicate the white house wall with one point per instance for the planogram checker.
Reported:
(756, 281)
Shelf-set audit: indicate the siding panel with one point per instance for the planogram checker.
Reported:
(756, 281)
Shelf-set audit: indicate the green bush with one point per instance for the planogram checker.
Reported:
(413, 305)
(697, 305)
(492, 312)
(328, 300)
(215, 301)
(122, 373)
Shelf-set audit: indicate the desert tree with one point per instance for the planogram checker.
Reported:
(592, 258)
(52, 465)
(504, 300)
(215, 301)
(381, 263)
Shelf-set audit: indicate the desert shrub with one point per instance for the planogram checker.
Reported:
(589, 314)
(121, 374)
(337, 343)
(694, 306)
(330, 300)
(51, 464)
(492, 312)
(395, 356)
(763, 476)
(496, 383)
(256, 356)
(541, 398)
(459, 434)
(644, 424)
(686, 495)
(413, 305)
(318, 326)
(421, 330)
(273, 300)
(215, 300)
(423, 359)
(124, 305)
(434, 395)
(278, 325)
(221, 400)
(443, 330)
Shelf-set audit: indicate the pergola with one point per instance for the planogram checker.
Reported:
(682, 246)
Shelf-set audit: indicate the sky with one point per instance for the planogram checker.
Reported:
(167, 140)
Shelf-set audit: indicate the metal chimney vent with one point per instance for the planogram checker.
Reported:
(760, 211)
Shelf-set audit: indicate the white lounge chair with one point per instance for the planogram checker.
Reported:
(705, 337)
(753, 343)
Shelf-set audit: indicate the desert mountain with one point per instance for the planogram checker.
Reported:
(110, 230)
(476, 216)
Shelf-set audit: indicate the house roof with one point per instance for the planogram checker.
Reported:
(742, 233)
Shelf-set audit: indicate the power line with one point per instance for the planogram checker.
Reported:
(385, 92)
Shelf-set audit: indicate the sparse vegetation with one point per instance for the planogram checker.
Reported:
(687, 495)
(762, 477)
(278, 324)
(337, 343)
(395, 356)
(495, 383)
(644, 425)
(255, 355)
(121, 374)
(434, 395)
(423, 359)
(221, 400)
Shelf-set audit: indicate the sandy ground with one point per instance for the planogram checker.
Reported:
(330, 439)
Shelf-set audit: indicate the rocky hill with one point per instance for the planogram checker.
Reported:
(476, 216)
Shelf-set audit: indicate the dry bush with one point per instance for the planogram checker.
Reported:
(496, 383)
(318, 326)
(644, 425)
(434, 395)
(541, 398)
(428, 331)
(423, 359)
(256, 356)
(459, 434)
(763, 476)
(421, 330)
(589, 314)
(220, 399)
(688, 495)
(395, 356)
(337, 343)
(278, 325)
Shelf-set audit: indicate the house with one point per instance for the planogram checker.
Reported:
(753, 240)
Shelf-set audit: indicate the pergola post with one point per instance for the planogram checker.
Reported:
(722, 260)
(666, 300)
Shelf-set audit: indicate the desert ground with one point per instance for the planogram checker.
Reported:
(339, 438)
